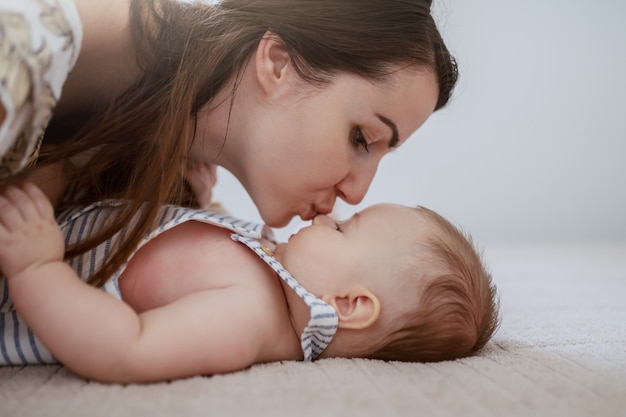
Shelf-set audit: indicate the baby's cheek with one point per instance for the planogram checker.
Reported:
(279, 251)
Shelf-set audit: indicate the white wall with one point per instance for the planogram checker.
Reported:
(533, 145)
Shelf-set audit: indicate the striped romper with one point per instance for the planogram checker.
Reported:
(19, 346)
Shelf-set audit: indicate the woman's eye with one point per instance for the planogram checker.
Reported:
(358, 139)
(338, 228)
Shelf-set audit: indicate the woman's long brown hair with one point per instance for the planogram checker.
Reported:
(188, 52)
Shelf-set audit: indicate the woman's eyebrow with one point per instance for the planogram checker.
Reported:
(394, 130)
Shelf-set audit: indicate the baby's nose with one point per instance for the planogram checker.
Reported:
(323, 220)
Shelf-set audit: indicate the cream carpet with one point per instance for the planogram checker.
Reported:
(561, 351)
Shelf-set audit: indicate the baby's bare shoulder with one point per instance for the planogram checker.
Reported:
(206, 275)
(190, 257)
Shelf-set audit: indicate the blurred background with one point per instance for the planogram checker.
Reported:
(532, 147)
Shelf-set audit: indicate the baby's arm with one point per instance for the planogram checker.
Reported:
(70, 317)
(103, 338)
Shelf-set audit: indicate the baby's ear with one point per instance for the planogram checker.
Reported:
(357, 310)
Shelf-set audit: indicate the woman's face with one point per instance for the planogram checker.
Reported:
(300, 149)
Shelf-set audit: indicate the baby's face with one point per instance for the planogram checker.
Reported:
(363, 250)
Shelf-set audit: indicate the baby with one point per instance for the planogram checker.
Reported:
(205, 293)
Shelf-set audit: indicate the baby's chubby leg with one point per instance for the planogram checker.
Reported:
(29, 234)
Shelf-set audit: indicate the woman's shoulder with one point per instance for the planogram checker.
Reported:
(39, 46)
(56, 17)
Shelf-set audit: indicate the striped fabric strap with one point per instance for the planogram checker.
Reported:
(323, 322)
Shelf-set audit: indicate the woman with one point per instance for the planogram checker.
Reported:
(299, 99)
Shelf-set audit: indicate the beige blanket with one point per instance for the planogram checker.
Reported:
(561, 351)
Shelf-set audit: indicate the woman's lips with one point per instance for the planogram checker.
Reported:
(309, 214)
(314, 211)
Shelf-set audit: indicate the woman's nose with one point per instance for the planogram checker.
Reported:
(354, 186)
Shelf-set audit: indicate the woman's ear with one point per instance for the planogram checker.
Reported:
(272, 64)
(357, 310)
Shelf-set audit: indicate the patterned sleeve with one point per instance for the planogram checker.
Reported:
(39, 44)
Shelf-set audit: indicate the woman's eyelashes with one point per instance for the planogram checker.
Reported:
(338, 228)
(358, 139)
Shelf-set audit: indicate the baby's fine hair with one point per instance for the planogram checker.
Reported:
(457, 307)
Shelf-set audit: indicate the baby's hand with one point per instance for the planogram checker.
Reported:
(201, 178)
(29, 234)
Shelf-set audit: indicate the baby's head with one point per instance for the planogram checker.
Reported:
(406, 283)
(455, 309)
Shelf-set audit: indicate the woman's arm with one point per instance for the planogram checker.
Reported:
(107, 64)
(101, 337)
(202, 179)
(52, 179)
